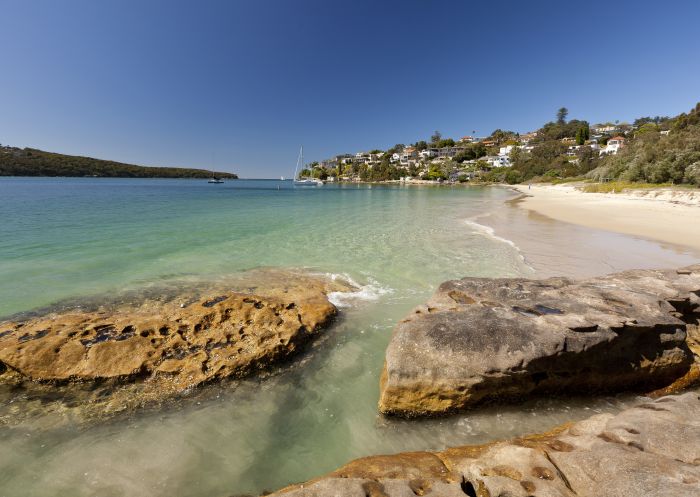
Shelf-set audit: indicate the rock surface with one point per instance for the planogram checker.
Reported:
(168, 345)
(652, 450)
(483, 339)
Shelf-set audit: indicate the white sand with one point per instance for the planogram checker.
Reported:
(671, 216)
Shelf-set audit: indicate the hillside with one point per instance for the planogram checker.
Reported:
(665, 152)
(32, 162)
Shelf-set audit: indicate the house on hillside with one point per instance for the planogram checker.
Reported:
(329, 163)
(408, 157)
(572, 151)
(504, 155)
(361, 158)
(466, 139)
(344, 158)
(599, 129)
(526, 138)
(614, 144)
(496, 161)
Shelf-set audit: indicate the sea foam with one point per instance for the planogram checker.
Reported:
(371, 291)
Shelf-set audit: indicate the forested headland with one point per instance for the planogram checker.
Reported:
(32, 162)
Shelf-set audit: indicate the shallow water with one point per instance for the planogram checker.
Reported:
(75, 238)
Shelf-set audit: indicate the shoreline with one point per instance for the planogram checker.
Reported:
(662, 215)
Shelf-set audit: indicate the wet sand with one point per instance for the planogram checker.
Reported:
(551, 246)
(669, 216)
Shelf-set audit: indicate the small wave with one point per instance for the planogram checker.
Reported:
(489, 232)
(371, 291)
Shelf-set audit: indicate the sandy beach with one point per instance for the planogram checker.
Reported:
(671, 216)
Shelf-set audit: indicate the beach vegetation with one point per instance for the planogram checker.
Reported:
(652, 157)
(620, 186)
(471, 152)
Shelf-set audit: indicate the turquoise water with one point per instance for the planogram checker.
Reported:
(76, 238)
(69, 237)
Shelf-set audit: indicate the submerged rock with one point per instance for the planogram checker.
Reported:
(482, 339)
(166, 345)
(652, 450)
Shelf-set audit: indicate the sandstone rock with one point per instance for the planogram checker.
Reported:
(483, 339)
(168, 345)
(652, 450)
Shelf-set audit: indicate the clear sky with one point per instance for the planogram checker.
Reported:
(239, 85)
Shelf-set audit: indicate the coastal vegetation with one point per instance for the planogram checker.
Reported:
(656, 150)
(651, 150)
(667, 151)
(620, 186)
(32, 162)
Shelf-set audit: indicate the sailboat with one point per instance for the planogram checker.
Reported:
(215, 179)
(306, 181)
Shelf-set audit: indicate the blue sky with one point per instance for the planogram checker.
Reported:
(239, 85)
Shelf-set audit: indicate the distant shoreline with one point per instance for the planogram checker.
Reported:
(31, 162)
(7, 176)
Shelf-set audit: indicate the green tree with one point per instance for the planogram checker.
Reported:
(561, 115)
(396, 149)
(499, 135)
(437, 136)
(582, 134)
(448, 142)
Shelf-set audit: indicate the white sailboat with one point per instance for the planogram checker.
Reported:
(215, 179)
(306, 181)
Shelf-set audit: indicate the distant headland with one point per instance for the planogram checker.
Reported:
(32, 162)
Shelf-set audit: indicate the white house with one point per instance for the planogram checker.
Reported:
(496, 160)
(504, 156)
(614, 144)
(573, 150)
(505, 150)
(603, 128)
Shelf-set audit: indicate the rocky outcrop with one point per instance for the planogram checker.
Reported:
(652, 450)
(168, 345)
(483, 339)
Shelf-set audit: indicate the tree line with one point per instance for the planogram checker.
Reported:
(33, 162)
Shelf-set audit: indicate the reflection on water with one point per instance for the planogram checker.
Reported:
(397, 244)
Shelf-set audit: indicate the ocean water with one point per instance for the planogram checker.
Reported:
(72, 239)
